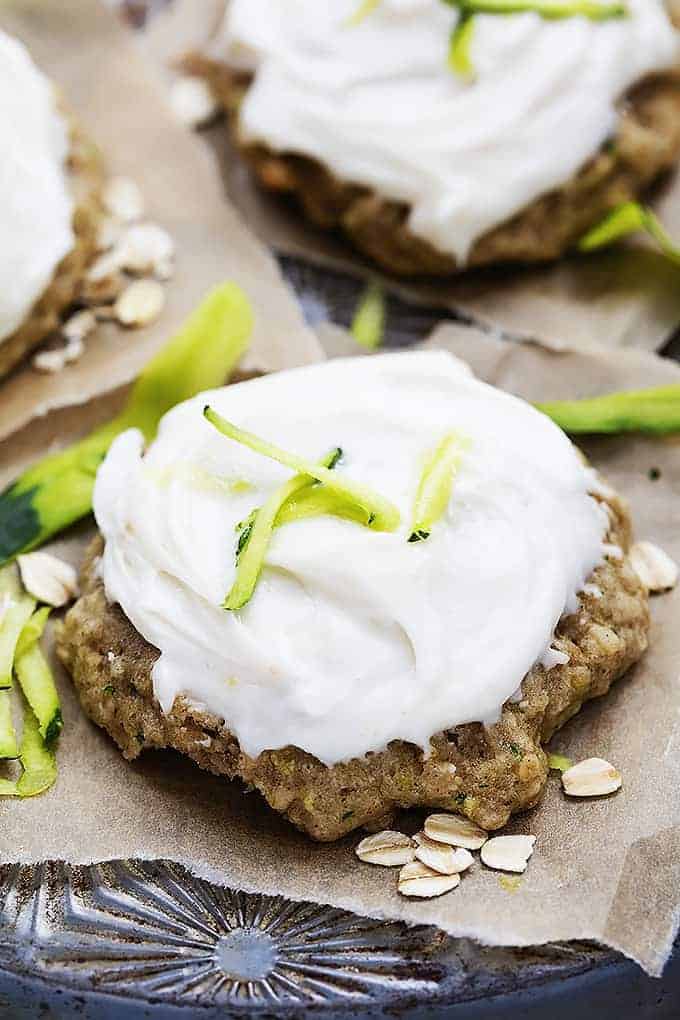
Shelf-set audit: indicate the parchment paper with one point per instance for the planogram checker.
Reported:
(607, 869)
(116, 94)
(622, 298)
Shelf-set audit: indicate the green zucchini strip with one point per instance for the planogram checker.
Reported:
(559, 763)
(653, 411)
(316, 502)
(15, 618)
(258, 527)
(382, 514)
(8, 738)
(461, 37)
(626, 219)
(36, 680)
(557, 9)
(365, 8)
(32, 631)
(460, 60)
(245, 527)
(57, 491)
(434, 489)
(39, 763)
(368, 324)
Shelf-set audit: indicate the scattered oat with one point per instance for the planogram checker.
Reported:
(417, 879)
(79, 326)
(123, 199)
(508, 853)
(54, 359)
(105, 266)
(164, 269)
(140, 303)
(387, 848)
(654, 567)
(50, 361)
(48, 578)
(193, 101)
(144, 247)
(108, 233)
(104, 290)
(593, 777)
(455, 830)
(104, 313)
(441, 857)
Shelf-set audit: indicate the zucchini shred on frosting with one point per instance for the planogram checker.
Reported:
(427, 171)
(360, 655)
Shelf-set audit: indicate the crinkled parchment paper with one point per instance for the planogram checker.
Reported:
(114, 90)
(624, 298)
(606, 869)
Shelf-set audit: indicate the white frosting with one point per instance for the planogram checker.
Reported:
(353, 638)
(35, 205)
(377, 103)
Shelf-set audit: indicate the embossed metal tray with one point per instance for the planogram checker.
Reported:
(133, 940)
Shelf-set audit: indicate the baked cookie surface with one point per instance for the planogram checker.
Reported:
(646, 143)
(486, 773)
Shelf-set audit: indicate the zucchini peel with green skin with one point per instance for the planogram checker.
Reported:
(382, 514)
(258, 529)
(434, 488)
(57, 491)
(626, 219)
(15, 618)
(653, 411)
(38, 761)
(36, 680)
(8, 738)
(368, 324)
(42, 715)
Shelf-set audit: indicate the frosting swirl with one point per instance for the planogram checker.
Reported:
(353, 638)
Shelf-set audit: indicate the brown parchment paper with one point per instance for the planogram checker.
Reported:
(114, 90)
(607, 869)
(625, 298)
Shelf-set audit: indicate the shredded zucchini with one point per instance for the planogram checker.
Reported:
(38, 762)
(434, 489)
(460, 60)
(37, 683)
(15, 618)
(368, 324)
(317, 501)
(382, 514)
(365, 8)
(630, 218)
(256, 534)
(42, 717)
(549, 9)
(461, 37)
(654, 411)
(32, 631)
(559, 762)
(8, 738)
